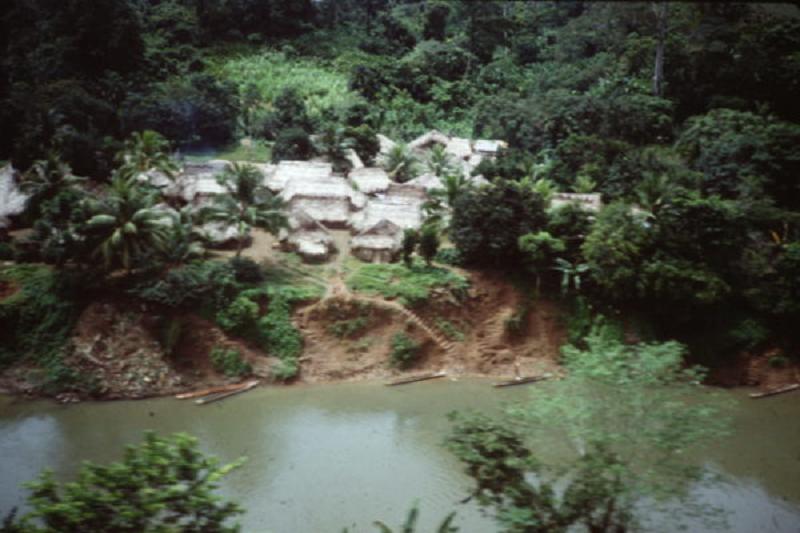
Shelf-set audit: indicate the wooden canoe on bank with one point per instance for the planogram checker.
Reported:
(206, 392)
(414, 379)
(790, 388)
(243, 387)
(519, 381)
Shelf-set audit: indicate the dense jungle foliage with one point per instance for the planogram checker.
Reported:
(682, 115)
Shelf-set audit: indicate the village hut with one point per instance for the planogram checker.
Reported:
(489, 148)
(370, 180)
(197, 182)
(405, 193)
(296, 172)
(308, 238)
(379, 244)
(328, 200)
(386, 144)
(12, 200)
(426, 182)
(588, 202)
(478, 181)
(458, 148)
(428, 140)
(354, 159)
(400, 205)
(404, 215)
(224, 236)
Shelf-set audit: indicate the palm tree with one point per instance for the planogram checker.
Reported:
(584, 184)
(544, 187)
(401, 164)
(655, 191)
(439, 205)
(46, 179)
(439, 161)
(124, 226)
(145, 151)
(334, 145)
(184, 243)
(247, 204)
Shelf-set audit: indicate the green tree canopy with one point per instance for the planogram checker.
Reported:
(628, 412)
(487, 222)
(164, 485)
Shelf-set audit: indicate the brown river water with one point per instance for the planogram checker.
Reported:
(325, 457)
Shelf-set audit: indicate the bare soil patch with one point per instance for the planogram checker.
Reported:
(8, 288)
(472, 338)
(766, 369)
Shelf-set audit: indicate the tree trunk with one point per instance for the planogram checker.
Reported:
(660, 10)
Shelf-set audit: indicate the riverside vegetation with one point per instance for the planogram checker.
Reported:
(682, 116)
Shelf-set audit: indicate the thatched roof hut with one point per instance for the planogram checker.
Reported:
(222, 235)
(489, 148)
(328, 200)
(370, 180)
(379, 244)
(479, 181)
(296, 172)
(405, 193)
(354, 159)
(588, 202)
(12, 200)
(426, 182)
(308, 238)
(386, 144)
(197, 181)
(459, 148)
(427, 140)
(404, 215)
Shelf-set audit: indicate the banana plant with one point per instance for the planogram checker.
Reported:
(570, 274)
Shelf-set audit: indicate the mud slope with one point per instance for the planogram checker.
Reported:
(466, 339)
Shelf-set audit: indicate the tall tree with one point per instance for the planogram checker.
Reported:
(660, 9)
(439, 205)
(487, 222)
(429, 242)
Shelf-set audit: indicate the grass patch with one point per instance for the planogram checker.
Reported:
(410, 286)
(449, 330)
(361, 345)
(292, 285)
(348, 320)
(37, 321)
(258, 151)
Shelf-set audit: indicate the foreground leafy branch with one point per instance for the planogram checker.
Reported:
(164, 485)
(628, 412)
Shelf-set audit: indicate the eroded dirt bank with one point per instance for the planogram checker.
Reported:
(125, 350)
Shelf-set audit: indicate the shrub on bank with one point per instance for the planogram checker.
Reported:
(230, 363)
(405, 351)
